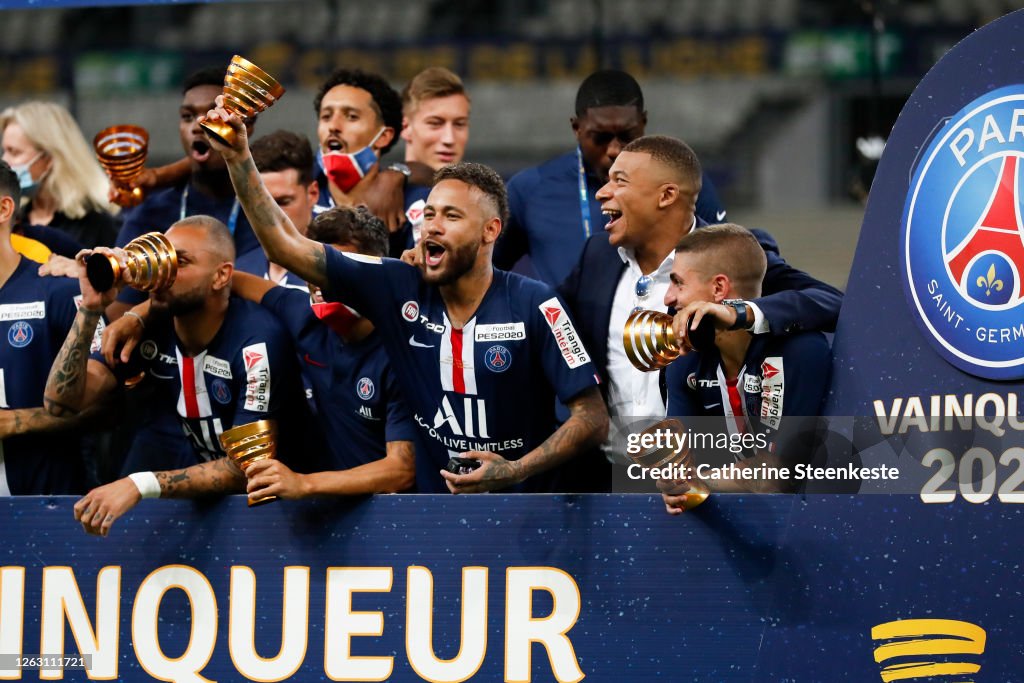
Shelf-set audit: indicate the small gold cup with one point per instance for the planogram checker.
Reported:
(649, 340)
(249, 443)
(151, 263)
(651, 343)
(248, 90)
(122, 152)
(697, 491)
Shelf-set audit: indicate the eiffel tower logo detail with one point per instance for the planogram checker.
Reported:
(1000, 230)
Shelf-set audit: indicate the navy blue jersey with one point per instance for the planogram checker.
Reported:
(489, 386)
(414, 200)
(166, 207)
(546, 219)
(256, 263)
(247, 373)
(35, 316)
(358, 402)
(783, 377)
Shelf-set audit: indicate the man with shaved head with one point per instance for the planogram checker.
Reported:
(650, 200)
(216, 362)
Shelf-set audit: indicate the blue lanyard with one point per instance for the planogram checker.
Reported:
(584, 200)
(232, 219)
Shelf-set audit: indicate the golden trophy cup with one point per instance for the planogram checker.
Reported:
(651, 343)
(657, 457)
(248, 90)
(150, 263)
(122, 152)
(251, 443)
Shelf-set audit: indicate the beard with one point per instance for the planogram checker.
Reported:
(180, 304)
(459, 261)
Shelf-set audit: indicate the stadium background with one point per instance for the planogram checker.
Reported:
(773, 96)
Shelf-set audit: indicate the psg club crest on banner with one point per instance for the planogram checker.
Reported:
(365, 389)
(20, 334)
(963, 237)
(498, 358)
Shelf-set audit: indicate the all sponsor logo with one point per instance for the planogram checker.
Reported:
(501, 332)
(365, 389)
(411, 311)
(221, 391)
(20, 334)
(568, 340)
(773, 390)
(257, 378)
(963, 238)
(498, 358)
(366, 412)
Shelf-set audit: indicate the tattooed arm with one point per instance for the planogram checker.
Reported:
(282, 242)
(100, 508)
(586, 427)
(76, 381)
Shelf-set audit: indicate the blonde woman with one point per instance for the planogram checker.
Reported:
(65, 185)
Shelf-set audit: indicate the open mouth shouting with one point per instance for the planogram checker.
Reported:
(433, 253)
(613, 215)
(200, 151)
(335, 145)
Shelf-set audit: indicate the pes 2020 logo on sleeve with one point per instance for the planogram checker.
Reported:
(963, 238)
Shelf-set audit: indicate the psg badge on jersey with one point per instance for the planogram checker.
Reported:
(365, 388)
(20, 334)
(963, 237)
(221, 391)
(498, 358)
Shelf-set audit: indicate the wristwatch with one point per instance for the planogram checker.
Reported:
(401, 168)
(740, 307)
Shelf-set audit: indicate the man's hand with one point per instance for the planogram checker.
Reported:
(274, 478)
(91, 299)
(59, 266)
(120, 338)
(679, 495)
(413, 256)
(687, 320)
(241, 142)
(385, 198)
(102, 506)
(495, 472)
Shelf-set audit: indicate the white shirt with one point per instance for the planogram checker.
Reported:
(632, 393)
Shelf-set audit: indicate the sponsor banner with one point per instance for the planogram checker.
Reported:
(257, 377)
(530, 588)
(568, 340)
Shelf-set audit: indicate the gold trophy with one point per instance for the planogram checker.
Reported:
(651, 343)
(251, 443)
(695, 491)
(248, 90)
(122, 152)
(150, 263)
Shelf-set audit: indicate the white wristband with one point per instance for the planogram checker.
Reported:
(147, 484)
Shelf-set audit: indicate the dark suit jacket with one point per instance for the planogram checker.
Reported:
(791, 300)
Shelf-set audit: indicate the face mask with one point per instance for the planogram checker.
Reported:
(336, 316)
(346, 170)
(29, 186)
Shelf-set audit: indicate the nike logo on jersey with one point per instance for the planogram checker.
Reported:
(313, 362)
(413, 342)
(713, 405)
(720, 215)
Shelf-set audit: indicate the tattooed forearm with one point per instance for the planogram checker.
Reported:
(215, 476)
(65, 385)
(279, 238)
(586, 427)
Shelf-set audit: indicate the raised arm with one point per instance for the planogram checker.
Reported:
(282, 242)
(586, 428)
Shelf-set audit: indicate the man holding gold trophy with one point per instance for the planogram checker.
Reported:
(219, 362)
